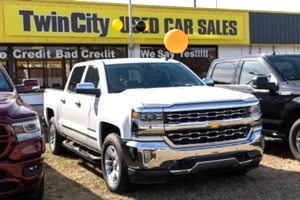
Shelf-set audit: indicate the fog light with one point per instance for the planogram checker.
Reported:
(147, 156)
(33, 170)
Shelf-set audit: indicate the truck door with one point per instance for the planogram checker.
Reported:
(69, 105)
(269, 101)
(87, 110)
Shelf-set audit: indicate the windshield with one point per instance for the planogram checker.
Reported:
(288, 66)
(149, 75)
(4, 85)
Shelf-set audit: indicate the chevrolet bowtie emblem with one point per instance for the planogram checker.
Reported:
(214, 124)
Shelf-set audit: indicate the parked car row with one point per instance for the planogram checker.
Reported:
(151, 120)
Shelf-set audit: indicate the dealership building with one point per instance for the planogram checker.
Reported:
(44, 38)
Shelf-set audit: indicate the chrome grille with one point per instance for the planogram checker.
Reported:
(4, 139)
(205, 136)
(206, 115)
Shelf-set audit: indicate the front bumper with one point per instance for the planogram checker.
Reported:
(15, 184)
(150, 162)
(21, 175)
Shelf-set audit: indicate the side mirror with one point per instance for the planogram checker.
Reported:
(208, 81)
(87, 88)
(262, 82)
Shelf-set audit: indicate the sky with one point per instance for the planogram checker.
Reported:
(261, 5)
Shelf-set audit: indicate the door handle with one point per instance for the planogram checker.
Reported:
(63, 101)
(78, 103)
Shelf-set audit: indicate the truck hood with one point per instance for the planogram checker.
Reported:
(12, 107)
(166, 97)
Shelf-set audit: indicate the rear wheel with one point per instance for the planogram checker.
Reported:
(55, 139)
(113, 163)
(294, 139)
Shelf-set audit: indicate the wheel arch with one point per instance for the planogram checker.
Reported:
(290, 117)
(107, 128)
(49, 114)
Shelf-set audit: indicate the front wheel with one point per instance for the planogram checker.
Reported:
(55, 139)
(114, 168)
(294, 139)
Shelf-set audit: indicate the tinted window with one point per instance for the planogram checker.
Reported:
(4, 85)
(92, 75)
(224, 72)
(149, 75)
(288, 66)
(75, 78)
(253, 69)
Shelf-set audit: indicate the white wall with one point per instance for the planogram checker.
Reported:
(234, 51)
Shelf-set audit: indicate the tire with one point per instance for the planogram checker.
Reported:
(294, 139)
(113, 163)
(55, 139)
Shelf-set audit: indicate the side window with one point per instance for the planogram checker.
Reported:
(224, 72)
(4, 85)
(75, 78)
(92, 75)
(251, 69)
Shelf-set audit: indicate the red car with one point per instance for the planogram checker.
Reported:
(21, 144)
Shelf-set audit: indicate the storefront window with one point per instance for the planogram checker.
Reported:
(29, 62)
(103, 52)
(59, 64)
(50, 65)
(198, 58)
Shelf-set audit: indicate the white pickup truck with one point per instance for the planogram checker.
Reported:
(149, 120)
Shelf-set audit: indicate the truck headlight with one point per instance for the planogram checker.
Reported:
(27, 130)
(148, 122)
(254, 110)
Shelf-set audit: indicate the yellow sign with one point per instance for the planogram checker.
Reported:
(65, 22)
(71, 23)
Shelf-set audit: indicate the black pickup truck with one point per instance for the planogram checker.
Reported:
(275, 80)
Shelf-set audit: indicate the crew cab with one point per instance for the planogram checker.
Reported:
(275, 80)
(148, 120)
(21, 142)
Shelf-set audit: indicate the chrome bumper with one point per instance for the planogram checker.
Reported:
(157, 158)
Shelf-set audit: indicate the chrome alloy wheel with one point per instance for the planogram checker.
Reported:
(112, 165)
(52, 137)
(298, 141)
